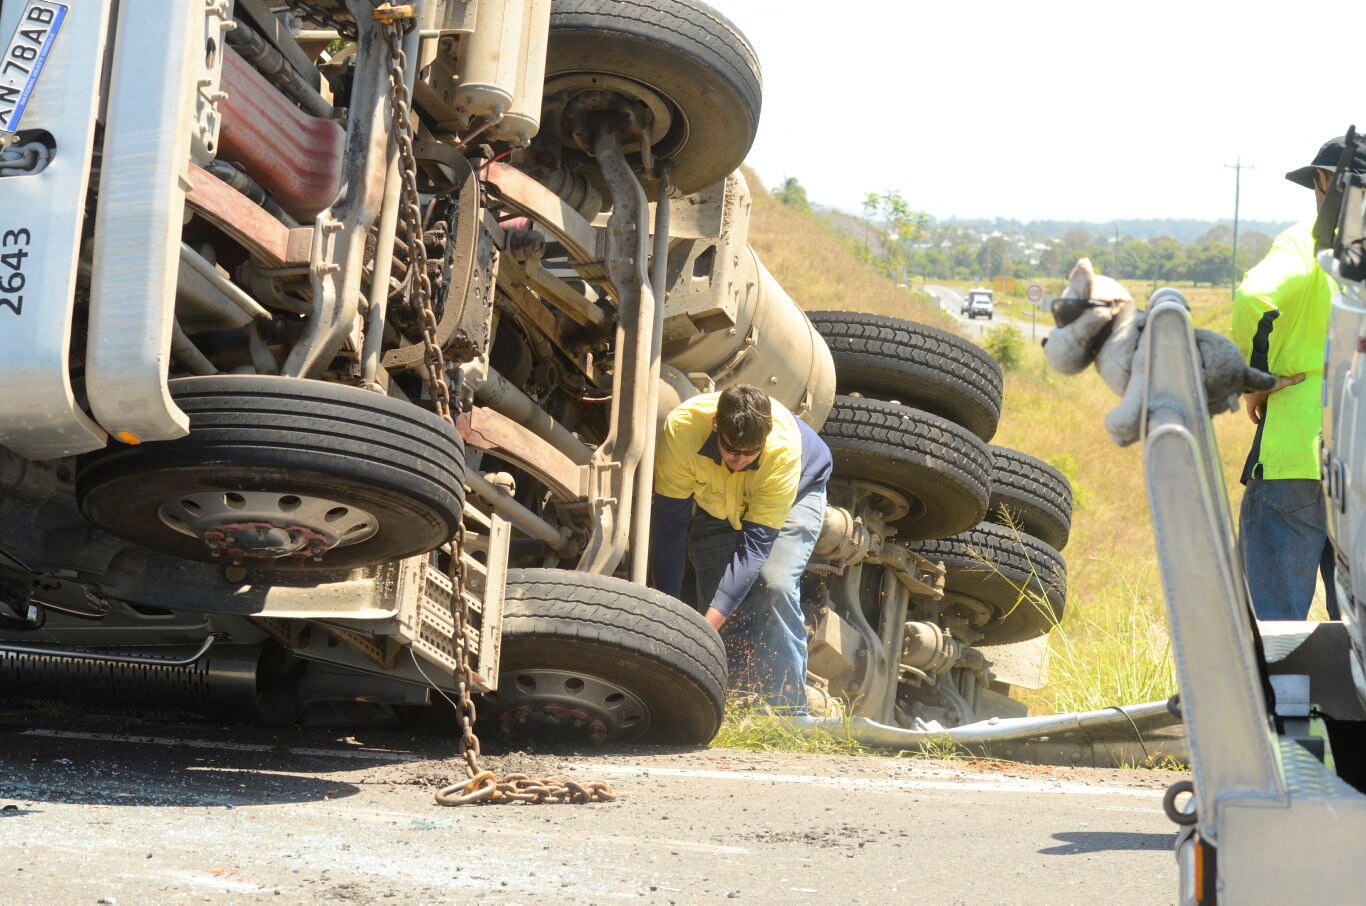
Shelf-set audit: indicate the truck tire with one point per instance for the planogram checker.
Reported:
(311, 443)
(1019, 578)
(596, 659)
(1037, 496)
(682, 52)
(920, 366)
(942, 468)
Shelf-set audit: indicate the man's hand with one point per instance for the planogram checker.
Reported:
(715, 618)
(1256, 401)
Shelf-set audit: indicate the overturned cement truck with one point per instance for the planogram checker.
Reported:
(335, 338)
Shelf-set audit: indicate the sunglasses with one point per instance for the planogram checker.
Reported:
(733, 450)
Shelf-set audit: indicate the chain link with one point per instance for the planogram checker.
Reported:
(481, 785)
(469, 743)
(484, 787)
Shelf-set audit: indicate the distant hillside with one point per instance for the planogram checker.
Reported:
(1185, 231)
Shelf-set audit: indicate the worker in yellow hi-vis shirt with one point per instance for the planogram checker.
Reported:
(1280, 322)
(740, 491)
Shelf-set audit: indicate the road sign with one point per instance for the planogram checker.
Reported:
(1034, 293)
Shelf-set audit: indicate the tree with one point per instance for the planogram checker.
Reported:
(1133, 259)
(871, 201)
(993, 257)
(1166, 259)
(1076, 244)
(1052, 263)
(964, 261)
(931, 262)
(792, 194)
(902, 226)
(1220, 232)
(1210, 263)
(1103, 259)
(1252, 247)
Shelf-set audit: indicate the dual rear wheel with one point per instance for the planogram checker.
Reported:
(916, 409)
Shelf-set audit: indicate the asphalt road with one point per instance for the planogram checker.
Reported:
(120, 812)
(951, 300)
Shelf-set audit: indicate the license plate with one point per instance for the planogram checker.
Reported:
(23, 60)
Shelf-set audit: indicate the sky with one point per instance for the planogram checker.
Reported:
(1049, 110)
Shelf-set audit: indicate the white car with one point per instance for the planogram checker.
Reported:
(979, 302)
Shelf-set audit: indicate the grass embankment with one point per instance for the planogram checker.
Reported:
(1112, 647)
(820, 272)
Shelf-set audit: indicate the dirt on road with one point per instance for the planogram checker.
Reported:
(106, 811)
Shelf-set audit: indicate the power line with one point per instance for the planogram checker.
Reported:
(1238, 169)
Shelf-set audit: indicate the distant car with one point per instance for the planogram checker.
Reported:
(979, 302)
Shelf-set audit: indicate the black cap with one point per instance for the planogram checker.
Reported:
(1327, 159)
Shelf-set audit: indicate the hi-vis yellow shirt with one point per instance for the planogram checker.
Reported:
(1280, 322)
(687, 464)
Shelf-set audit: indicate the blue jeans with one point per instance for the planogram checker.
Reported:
(765, 636)
(1283, 538)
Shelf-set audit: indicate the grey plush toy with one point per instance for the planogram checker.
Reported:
(1097, 322)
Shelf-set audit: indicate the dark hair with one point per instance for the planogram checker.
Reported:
(744, 415)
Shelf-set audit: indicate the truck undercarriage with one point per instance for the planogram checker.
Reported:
(247, 279)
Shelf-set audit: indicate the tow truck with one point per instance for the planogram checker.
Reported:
(1273, 711)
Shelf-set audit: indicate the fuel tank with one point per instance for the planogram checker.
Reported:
(727, 320)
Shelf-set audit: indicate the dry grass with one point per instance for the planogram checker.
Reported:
(820, 272)
(1113, 644)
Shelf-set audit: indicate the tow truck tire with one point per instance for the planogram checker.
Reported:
(1022, 580)
(1036, 496)
(596, 659)
(898, 360)
(682, 51)
(942, 468)
(302, 439)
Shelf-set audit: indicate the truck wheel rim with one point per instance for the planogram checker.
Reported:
(569, 705)
(266, 524)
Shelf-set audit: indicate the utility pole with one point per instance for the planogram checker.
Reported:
(1237, 188)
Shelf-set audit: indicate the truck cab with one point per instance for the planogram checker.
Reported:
(979, 303)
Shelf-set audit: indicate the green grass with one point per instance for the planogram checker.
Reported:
(1115, 651)
(751, 725)
(1112, 646)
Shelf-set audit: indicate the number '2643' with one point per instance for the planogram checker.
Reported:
(13, 251)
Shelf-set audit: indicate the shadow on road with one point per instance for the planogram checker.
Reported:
(1074, 843)
(170, 787)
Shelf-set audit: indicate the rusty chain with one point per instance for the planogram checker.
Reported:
(481, 785)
